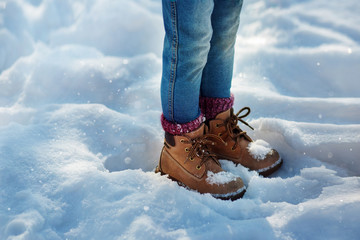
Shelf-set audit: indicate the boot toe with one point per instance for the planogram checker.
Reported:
(274, 162)
(231, 191)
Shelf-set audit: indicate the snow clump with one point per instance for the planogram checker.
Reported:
(220, 177)
(259, 149)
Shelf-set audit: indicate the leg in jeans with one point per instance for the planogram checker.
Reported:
(185, 156)
(186, 46)
(216, 100)
(218, 72)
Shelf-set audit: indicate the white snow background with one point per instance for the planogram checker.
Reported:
(80, 132)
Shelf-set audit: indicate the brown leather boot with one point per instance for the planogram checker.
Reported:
(187, 160)
(238, 147)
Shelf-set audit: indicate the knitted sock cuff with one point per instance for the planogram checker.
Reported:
(213, 106)
(181, 129)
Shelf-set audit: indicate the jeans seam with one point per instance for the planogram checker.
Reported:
(174, 49)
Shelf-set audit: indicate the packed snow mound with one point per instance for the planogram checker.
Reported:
(80, 131)
(259, 149)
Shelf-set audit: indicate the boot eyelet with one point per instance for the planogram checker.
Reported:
(182, 140)
(187, 150)
(198, 167)
(220, 134)
(191, 159)
(217, 125)
(233, 149)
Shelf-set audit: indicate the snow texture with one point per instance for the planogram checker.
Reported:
(259, 149)
(220, 177)
(80, 131)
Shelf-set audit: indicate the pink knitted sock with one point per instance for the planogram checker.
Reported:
(181, 129)
(213, 106)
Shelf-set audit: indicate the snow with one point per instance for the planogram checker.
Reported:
(219, 177)
(80, 130)
(259, 149)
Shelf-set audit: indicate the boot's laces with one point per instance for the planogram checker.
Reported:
(199, 148)
(232, 127)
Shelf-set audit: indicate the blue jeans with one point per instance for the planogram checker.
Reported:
(198, 54)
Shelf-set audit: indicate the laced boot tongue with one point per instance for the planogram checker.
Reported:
(232, 124)
(223, 115)
(199, 145)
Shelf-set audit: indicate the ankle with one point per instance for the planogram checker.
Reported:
(213, 106)
(181, 128)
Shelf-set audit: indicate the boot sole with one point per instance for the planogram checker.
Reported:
(268, 171)
(232, 197)
(229, 196)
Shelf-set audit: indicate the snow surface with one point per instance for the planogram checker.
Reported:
(80, 132)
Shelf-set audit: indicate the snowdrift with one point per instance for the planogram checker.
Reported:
(80, 130)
